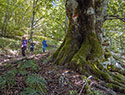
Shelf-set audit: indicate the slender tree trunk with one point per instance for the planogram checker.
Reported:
(5, 19)
(32, 20)
(82, 46)
(33, 16)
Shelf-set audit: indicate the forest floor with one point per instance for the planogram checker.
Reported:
(59, 79)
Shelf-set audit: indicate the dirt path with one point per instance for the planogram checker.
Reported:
(59, 79)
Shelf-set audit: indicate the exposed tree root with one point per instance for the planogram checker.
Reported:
(86, 60)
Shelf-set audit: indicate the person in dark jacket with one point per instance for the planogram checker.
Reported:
(23, 45)
(32, 46)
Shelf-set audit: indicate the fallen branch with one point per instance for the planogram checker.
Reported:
(84, 85)
(18, 60)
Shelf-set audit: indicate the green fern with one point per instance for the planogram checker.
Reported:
(23, 72)
(9, 77)
(2, 83)
(30, 91)
(29, 64)
(73, 92)
(37, 83)
(96, 92)
(7, 65)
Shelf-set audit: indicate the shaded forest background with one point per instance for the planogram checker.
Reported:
(48, 19)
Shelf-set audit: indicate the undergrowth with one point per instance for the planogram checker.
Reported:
(9, 43)
(34, 84)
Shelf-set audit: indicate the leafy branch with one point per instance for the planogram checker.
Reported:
(111, 17)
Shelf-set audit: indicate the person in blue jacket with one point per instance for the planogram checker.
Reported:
(44, 45)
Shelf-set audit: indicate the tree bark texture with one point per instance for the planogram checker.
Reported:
(82, 46)
(82, 42)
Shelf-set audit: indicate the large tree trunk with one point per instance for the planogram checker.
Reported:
(82, 42)
(82, 46)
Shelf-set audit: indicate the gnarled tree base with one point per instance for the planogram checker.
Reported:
(86, 58)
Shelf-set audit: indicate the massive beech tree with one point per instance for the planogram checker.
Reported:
(82, 46)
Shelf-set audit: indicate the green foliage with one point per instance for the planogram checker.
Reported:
(114, 28)
(30, 91)
(49, 20)
(9, 43)
(96, 92)
(29, 64)
(45, 61)
(23, 72)
(116, 7)
(2, 83)
(37, 83)
(7, 65)
(72, 92)
(7, 79)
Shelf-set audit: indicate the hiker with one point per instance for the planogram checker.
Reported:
(44, 45)
(23, 45)
(32, 46)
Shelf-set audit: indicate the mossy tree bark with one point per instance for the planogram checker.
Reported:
(82, 46)
(82, 42)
